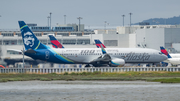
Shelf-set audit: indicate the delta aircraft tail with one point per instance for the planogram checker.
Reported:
(163, 50)
(29, 39)
(98, 44)
(55, 43)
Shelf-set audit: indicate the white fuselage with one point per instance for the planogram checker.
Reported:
(130, 55)
(175, 55)
(175, 60)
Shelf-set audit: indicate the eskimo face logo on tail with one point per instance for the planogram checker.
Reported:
(29, 39)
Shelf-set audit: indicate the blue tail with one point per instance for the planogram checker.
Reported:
(29, 39)
(163, 50)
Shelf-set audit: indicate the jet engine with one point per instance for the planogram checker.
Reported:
(117, 62)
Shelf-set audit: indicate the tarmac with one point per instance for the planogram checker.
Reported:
(88, 91)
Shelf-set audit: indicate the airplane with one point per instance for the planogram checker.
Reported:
(174, 61)
(94, 56)
(99, 44)
(55, 43)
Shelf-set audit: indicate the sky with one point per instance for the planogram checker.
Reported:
(94, 13)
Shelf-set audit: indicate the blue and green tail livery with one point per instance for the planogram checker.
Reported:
(36, 50)
(103, 50)
(29, 39)
(163, 50)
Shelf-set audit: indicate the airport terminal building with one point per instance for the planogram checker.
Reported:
(75, 36)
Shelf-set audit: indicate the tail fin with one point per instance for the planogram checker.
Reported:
(29, 39)
(55, 43)
(98, 44)
(163, 50)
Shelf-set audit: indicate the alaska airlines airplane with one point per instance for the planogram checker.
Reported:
(174, 61)
(55, 43)
(94, 56)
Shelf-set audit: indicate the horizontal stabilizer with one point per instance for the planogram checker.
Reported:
(30, 51)
(14, 50)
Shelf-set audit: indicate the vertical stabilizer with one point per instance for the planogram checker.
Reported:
(29, 39)
(55, 43)
(99, 43)
(164, 51)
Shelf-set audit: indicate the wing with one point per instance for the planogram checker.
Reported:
(15, 50)
(105, 59)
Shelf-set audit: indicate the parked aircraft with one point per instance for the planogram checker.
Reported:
(36, 50)
(174, 61)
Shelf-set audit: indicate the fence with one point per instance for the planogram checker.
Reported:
(100, 69)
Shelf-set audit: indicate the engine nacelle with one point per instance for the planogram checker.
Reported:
(117, 62)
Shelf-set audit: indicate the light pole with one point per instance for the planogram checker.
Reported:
(0, 15)
(50, 19)
(123, 19)
(105, 27)
(79, 22)
(105, 23)
(64, 19)
(130, 18)
(23, 57)
(130, 23)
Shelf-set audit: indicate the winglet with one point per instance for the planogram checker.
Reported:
(103, 50)
(163, 50)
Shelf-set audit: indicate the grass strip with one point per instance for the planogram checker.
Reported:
(161, 76)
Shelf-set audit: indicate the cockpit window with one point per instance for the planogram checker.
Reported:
(160, 53)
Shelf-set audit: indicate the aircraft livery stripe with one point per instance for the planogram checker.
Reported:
(103, 50)
(164, 51)
(38, 45)
(23, 26)
(62, 57)
(115, 63)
